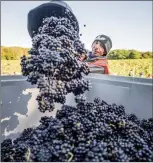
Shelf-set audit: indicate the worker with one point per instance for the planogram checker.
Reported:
(141, 74)
(131, 73)
(150, 76)
(101, 45)
(98, 57)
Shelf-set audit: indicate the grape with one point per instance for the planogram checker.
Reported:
(53, 65)
(89, 132)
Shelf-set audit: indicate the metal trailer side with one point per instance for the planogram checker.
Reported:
(19, 107)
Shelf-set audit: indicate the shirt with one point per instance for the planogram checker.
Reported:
(98, 61)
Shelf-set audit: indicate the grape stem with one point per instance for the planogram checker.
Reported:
(71, 156)
(28, 153)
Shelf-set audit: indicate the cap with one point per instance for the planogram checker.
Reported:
(105, 41)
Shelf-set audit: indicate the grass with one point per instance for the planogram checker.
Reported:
(118, 67)
(123, 67)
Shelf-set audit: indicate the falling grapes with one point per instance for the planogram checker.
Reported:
(54, 63)
(90, 132)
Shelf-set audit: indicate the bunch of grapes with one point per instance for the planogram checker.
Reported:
(54, 64)
(90, 132)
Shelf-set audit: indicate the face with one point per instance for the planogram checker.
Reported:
(97, 49)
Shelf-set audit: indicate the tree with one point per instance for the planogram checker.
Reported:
(13, 53)
(118, 54)
(133, 54)
(147, 55)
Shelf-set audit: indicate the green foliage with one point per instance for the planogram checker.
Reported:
(118, 67)
(128, 54)
(118, 54)
(133, 54)
(123, 67)
(147, 55)
(13, 53)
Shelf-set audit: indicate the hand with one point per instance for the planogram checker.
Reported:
(83, 57)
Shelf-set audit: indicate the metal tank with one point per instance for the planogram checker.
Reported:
(19, 105)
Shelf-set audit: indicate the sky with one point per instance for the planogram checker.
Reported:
(127, 23)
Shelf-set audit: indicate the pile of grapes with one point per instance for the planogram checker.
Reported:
(91, 131)
(54, 64)
(88, 132)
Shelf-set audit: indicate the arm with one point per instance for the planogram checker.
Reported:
(100, 63)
